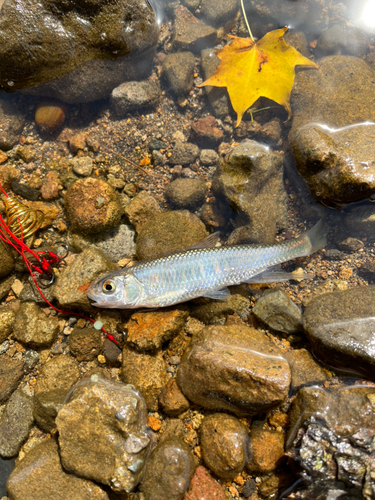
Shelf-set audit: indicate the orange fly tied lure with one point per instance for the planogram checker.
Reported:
(21, 223)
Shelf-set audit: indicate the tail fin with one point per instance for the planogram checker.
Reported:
(316, 238)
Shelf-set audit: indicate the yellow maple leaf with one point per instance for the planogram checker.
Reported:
(251, 70)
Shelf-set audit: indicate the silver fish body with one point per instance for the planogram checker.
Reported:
(199, 272)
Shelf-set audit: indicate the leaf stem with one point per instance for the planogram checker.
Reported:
(246, 21)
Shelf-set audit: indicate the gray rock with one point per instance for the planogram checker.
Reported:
(169, 232)
(252, 183)
(6, 260)
(351, 244)
(11, 123)
(278, 312)
(115, 244)
(7, 317)
(339, 326)
(305, 370)
(15, 423)
(208, 157)
(218, 96)
(82, 166)
(33, 327)
(43, 461)
(112, 31)
(358, 221)
(118, 429)
(92, 206)
(224, 443)
(169, 471)
(338, 166)
(11, 373)
(234, 368)
(71, 286)
(219, 13)
(178, 69)
(147, 371)
(184, 153)
(134, 96)
(186, 193)
(30, 293)
(6, 467)
(190, 33)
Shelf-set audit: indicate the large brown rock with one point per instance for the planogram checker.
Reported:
(11, 373)
(234, 368)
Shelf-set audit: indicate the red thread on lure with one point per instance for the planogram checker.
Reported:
(44, 258)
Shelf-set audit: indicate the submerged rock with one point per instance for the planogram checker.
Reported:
(43, 462)
(252, 183)
(133, 96)
(186, 193)
(172, 400)
(340, 327)
(278, 312)
(141, 208)
(178, 69)
(11, 124)
(112, 416)
(224, 443)
(191, 33)
(169, 470)
(339, 165)
(234, 368)
(305, 370)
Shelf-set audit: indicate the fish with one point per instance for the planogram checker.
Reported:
(201, 271)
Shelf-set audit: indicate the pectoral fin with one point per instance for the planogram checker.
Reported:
(222, 294)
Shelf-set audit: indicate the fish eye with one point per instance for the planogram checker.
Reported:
(109, 286)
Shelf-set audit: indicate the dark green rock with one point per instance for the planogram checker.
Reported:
(186, 193)
(340, 327)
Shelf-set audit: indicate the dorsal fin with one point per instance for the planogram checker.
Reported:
(209, 242)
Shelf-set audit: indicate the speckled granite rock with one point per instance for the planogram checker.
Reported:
(118, 430)
(40, 474)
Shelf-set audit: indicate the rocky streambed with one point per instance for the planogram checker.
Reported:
(268, 393)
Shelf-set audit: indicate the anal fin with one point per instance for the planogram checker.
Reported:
(276, 275)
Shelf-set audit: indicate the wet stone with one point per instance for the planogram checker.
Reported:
(278, 312)
(305, 370)
(205, 132)
(59, 373)
(112, 352)
(7, 317)
(30, 293)
(266, 450)
(234, 368)
(169, 470)
(191, 33)
(217, 96)
(11, 373)
(73, 282)
(186, 193)
(115, 244)
(340, 328)
(85, 343)
(169, 232)
(33, 328)
(15, 423)
(150, 330)
(118, 430)
(12, 123)
(208, 157)
(224, 443)
(338, 165)
(24, 190)
(219, 13)
(172, 400)
(133, 96)
(92, 206)
(215, 312)
(178, 70)
(5, 286)
(203, 486)
(43, 461)
(184, 153)
(252, 183)
(46, 407)
(82, 166)
(147, 372)
(6, 467)
(141, 208)
(351, 245)
(6, 260)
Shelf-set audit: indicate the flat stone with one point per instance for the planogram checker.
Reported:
(59, 373)
(169, 470)
(118, 430)
(305, 370)
(215, 312)
(206, 132)
(147, 372)
(278, 312)
(74, 280)
(217, 96)
(340, 327)
(203, 486)
(33, 327)
(7, 317)
(15, 423)
(339, 165)
(40, 473)
(11, 373)
(224, 444)
(190, 33)
(219, 13)
(132, 96)
(82, 166)
(252, 183)
(234, 368)
(169, 232)
(150, 330)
